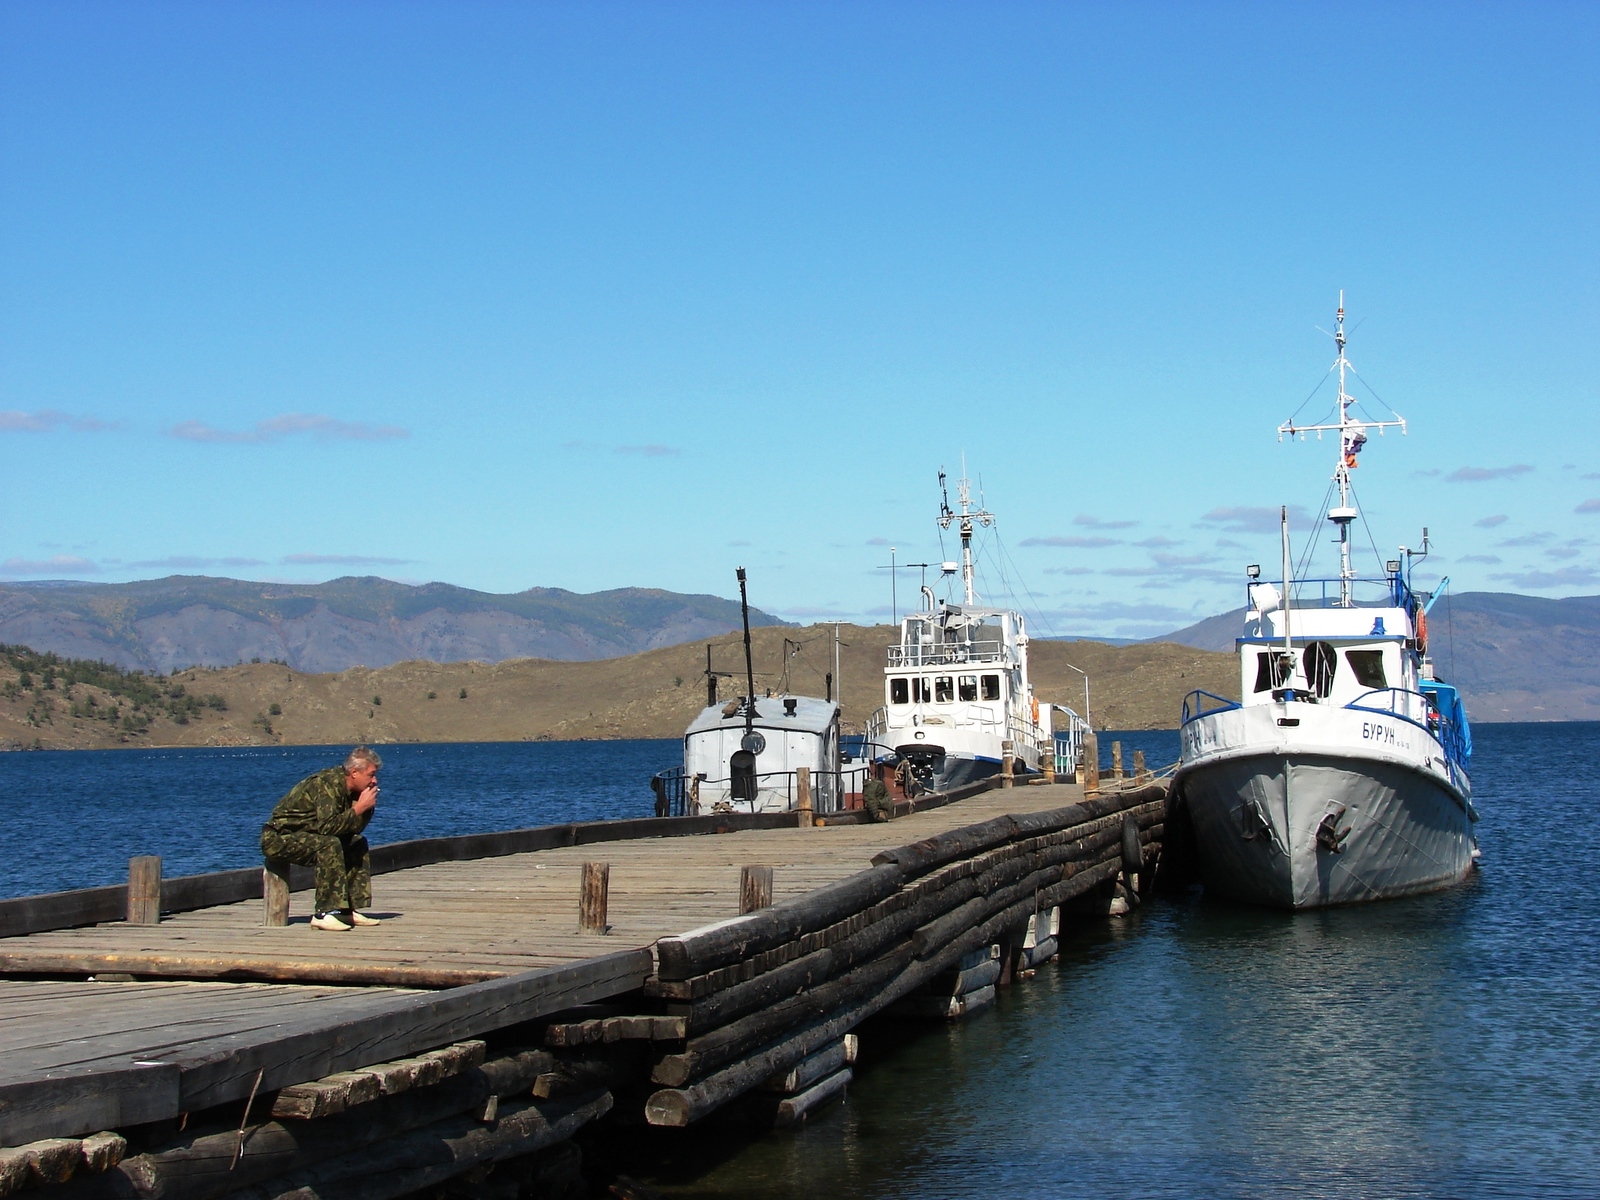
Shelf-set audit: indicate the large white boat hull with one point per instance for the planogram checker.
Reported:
(1259, 792)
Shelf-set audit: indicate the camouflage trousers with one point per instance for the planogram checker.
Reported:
(344, 868)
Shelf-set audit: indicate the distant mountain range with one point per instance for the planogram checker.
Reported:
(1515, 658)
(188, 620)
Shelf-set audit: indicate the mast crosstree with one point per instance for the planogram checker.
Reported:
(1352, 437)
(964, 521)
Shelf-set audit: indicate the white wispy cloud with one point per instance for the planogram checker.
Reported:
(1483, 474)
(1589, 506)
(314, 425)
(57, 564)
(342, 560)
(185, 562)
(1244, 519)
(1562, 577)
(1072, 542)
(1491, 522)
(1092, 522)
(47, 419)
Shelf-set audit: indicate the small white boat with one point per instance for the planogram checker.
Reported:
(746, 754)
(956, 688)
(1342, 776)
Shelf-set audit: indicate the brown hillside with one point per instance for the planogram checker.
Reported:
(649, 695)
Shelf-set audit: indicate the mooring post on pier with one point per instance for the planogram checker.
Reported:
(1047, 762)
(144, 889)
(1008, 764)
(1116, 761)
(592, 897)
(1139, 771)
(802, 796)
(1089, 770)
(275, 893)
(755, 889)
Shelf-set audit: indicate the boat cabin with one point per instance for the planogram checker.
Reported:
(751, 764)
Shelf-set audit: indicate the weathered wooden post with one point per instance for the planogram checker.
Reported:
(1047, 760)
(1138, 766)
(593, 896)
(144, 889)
(802, 798)
(1116, 760)
(755, 889)
(1089, 756)
(1008, 764)
(275, 893)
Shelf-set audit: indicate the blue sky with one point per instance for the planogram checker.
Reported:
(598, 295)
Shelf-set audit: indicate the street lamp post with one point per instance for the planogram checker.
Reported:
(1086, 719)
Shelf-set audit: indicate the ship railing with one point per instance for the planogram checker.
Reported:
(944, 654)
(1388, 592)
(1416, 708)
(681, 794)
(1200, 703)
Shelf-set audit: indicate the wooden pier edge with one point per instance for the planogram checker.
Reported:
(70, 1105)
(787, 981)
(185, 893)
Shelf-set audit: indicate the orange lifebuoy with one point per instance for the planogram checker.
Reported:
(1036, 710)
(1422, 630)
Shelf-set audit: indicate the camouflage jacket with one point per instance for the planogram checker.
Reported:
(320, 804)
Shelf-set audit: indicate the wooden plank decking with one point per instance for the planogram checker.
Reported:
(451, 923)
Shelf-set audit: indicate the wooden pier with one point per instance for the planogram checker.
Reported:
(721, 963)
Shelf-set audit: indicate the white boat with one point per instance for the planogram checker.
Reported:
(1342, 776)
(956, 688)
(745, 754)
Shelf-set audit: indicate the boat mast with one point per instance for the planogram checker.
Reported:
(749, 664)
(964, 520)
(1352, 437)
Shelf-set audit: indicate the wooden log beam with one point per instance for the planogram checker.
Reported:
(827, 1061)
(720, 995)
(59, 961)
(207, 1167)
(794, 1109)
(347, 1089)
(730, 1042)
(712, 946)
(682, 1105)
(428, 1157)
(311, 1047)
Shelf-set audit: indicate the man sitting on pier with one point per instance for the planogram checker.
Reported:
(318, 824)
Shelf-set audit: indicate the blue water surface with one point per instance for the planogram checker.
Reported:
(73, 818)
(1439, 1046)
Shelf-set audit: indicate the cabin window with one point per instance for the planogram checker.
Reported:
(919, 691)
(1273, 668)
(991, 687)
(1321, 664)
(967, 687)
(944, 689)
(899, 691)
(1367, 667)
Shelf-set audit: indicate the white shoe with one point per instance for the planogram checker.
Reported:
(329, 921)
(356, 918)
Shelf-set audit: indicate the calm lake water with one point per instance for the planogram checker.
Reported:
(1442, 1046)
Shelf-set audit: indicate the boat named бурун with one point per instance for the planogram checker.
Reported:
(1342, 775)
